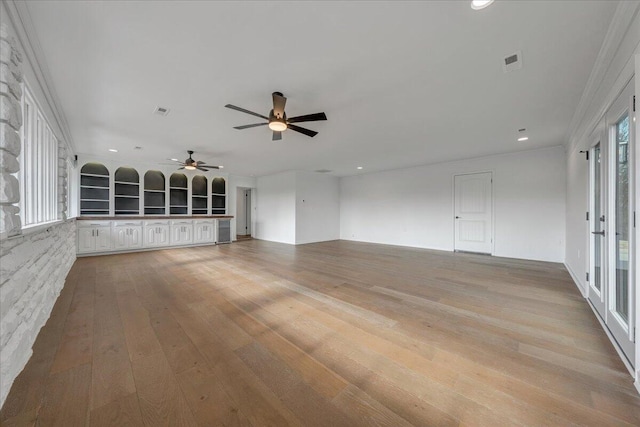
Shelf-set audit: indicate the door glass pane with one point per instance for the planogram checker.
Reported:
(622, 218)
(597, 215)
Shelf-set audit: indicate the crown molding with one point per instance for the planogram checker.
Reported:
(623, 17)
(18, 14)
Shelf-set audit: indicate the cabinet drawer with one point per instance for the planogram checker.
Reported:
(92, 224)
(156, 222)
(126, 223)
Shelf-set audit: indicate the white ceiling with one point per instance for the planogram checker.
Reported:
(402, 84)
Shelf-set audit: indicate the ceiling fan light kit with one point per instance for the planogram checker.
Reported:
(278, 121)
(190, 164)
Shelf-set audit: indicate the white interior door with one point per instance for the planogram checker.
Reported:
(473, 211)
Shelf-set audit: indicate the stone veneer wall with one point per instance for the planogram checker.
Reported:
(11, 75)
(32, 273)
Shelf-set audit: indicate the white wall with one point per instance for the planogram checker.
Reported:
(317, 207)
(414, 207)
(275, 208)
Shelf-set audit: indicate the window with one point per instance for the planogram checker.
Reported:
(38, 166)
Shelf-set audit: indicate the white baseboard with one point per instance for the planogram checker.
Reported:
(583, 291)
(582, 288)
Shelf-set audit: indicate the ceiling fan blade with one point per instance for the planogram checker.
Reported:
(209, 167)
(233, 107)
(277, 136)
(307, 118)
(279, 101)
(250, 126)
(181, 168)
(202, 169)
(200, 162)
(307, 132)
(172, 164)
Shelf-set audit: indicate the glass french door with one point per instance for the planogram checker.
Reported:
(612, 285)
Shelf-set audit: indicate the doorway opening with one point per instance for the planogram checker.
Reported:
(243, 214)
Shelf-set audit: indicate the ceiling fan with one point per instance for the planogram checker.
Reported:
(278, 121)
(191, 164)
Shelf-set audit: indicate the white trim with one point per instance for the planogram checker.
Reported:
(18, 14)
(582, 288)
(606, 330)
(621, 354)
(620, 23)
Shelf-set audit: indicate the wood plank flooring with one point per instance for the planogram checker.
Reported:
(329, 334)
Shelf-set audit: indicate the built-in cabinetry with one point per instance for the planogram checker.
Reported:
(123, 193)
(199, 195)
(218, 196)
(94, 236)
(178, 194)
(126, 192)
(94, 190)
(126, 235)
(119, 235)
(156, 233)
(154, 193)
(204, 231)
(182, 232)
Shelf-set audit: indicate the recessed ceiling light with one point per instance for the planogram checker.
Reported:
(220, 167)
(175, 160)
(113, 150)
(523, 138)
(480, 4)
(359, 168)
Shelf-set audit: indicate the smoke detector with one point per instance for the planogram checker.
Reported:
(161, 111)
(512, 62)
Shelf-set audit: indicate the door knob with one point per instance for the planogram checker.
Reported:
(598, 232)
(457, 217)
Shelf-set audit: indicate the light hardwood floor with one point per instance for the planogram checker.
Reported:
(329, 334)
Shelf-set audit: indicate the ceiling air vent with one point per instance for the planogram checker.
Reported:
(161, 111)
(512, 62)
(323, 171)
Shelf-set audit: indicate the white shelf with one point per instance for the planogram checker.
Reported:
(95, 200)
(93, 174)
(202, 197)
(155, 191)
(127, 183)
(127, 197)
(178, 188)
(94, 186)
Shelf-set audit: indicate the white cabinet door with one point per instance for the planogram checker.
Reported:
(150, 235)
(176, 235)
(162, 236)
(135, 237)
(203, 232)
(187, 234)
(103, 239)
(86, 240)
(120, 237)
